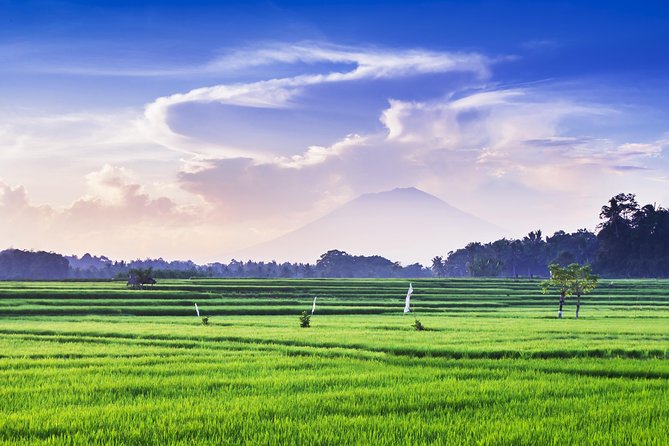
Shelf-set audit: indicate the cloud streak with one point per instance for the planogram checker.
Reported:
(364, 64)
(365, 61)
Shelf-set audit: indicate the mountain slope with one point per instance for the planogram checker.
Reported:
(407, 225)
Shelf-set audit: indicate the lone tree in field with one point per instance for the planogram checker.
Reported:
(572, 279)
(583, 281)
(561, 278)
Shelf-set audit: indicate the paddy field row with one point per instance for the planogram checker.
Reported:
(479, 374)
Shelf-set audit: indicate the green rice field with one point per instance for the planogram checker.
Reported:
(86, 363)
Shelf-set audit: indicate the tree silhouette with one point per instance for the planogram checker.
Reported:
(139, 277)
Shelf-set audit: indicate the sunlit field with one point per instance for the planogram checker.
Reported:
(94, 363)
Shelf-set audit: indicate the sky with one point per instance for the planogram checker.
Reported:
(193, 129)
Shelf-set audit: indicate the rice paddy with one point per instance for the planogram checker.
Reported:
(95, 363)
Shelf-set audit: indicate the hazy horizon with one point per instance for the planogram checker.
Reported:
(193, 130)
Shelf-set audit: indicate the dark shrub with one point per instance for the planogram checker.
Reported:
(305, 320)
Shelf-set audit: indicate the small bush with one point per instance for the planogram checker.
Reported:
(205, 320)
(305, 320)
(418, 326)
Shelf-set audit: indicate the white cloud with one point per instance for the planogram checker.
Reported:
(41, 150)
(34, 134)
(318, 155)
(458, 148)
(116, 216)
(13, 199)
(365, 64)
(642, 149)
(381, 61)
(365, 61)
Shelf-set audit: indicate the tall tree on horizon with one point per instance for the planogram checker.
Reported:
(615, 234)
(438, 266)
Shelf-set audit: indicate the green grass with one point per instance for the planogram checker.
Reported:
(494, 367)
(290, 296)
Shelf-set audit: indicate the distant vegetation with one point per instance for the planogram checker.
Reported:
(527, 257)
(28, 265)
(16, 264)
(632, 241)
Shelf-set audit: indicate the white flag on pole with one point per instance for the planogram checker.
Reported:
(197, 310)
(407, 303)
(313, 307)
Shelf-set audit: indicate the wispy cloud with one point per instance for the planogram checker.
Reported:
(34, 134)
(364, 61)
(365, 64)
(540, 44)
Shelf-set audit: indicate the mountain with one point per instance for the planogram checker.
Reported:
(406, 224)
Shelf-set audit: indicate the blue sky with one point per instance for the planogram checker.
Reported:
(621, 41)
(242, 120)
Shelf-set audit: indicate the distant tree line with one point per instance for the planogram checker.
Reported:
(341, 264)
(632, 241)
(28, 265)
(333, 263)
(526, 257)
(16, 264)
